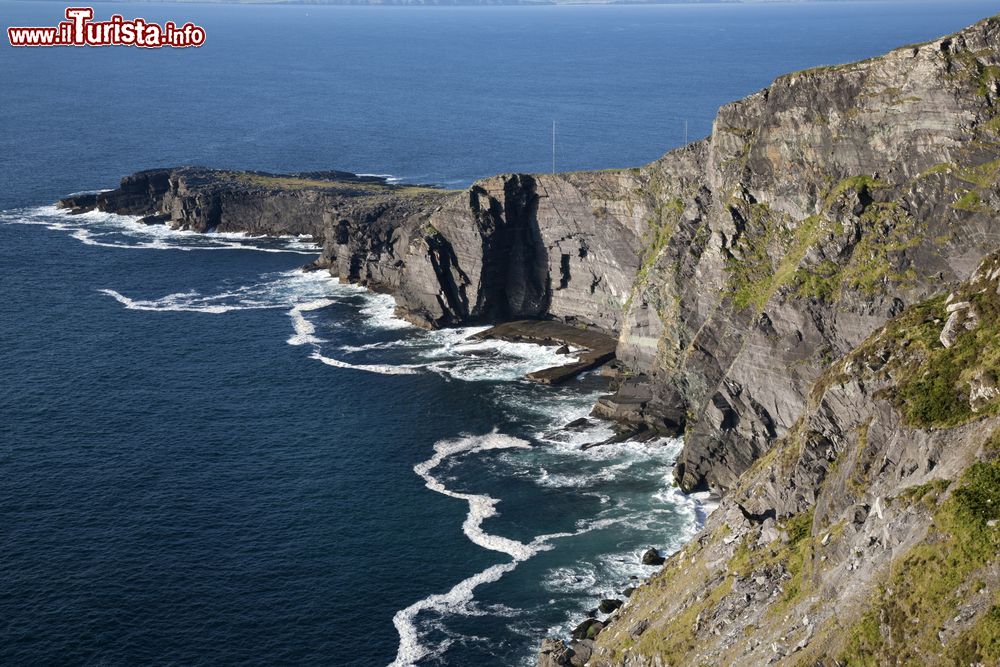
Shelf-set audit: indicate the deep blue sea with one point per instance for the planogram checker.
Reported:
(208, 457)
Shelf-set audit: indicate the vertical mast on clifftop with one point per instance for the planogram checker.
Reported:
(553, 147)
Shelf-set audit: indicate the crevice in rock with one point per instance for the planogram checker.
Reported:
(757, 518)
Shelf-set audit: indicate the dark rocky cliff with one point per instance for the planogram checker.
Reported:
(734, 269)
(510, 247)
(749, 278)
(827, 203)
(870, 533)
(835, 347)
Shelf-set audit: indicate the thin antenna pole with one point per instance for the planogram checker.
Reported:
(553, 147)
(685, 132)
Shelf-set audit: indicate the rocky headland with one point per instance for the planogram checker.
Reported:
(809, 295)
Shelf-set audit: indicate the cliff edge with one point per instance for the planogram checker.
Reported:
(808, 294)
(733, 270)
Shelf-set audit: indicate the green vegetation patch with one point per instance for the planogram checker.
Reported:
(969, 201)
(852, 184)
(279, 182)
(930, 383)
(889, 231)
(674, 641)
(938, 169)
(982, 77)
(982, 175)
(980, 644)
(928, 491)
(926, 587)
(795, 556)
(820, 282)
(754, 276)
(933, 389)
(660, 228)
(750, 268)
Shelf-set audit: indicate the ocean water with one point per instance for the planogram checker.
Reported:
(209, 457)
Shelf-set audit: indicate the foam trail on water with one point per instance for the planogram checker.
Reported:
(411, 650)
(481, 507)
(381, 369)
(305, 335)
(460, 598)
(303, 292)
(275, 290)
(110, 230)
(304, 329)
(165, 304)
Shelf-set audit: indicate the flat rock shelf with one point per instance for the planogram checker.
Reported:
(597, 348)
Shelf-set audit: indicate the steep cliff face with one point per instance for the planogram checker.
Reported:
(819, 315)
(820, 207)
(798, 292)
(734, 269)
(528, 246)
(509, 247)
(870, 534)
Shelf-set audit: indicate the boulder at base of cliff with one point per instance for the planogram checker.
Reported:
(582, 650)
(608, 606)
(554, 653)
(652, 557)
(588, 629)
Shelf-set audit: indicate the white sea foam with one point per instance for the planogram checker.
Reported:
(305, 331)
(171, 302)
(109, 230)
(305, 334)
(568, 579)
(481, 507)
(447, 352)
(381, 369)
(453, 354)
(273, 290)
(411, 649)
(380, 313)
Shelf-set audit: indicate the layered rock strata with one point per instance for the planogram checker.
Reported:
(733, 270)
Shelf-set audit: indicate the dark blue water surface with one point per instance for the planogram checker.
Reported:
(210, 458)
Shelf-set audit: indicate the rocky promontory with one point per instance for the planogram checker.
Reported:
(804, 294)
(732, 271)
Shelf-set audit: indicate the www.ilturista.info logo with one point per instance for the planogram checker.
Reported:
(79, 30)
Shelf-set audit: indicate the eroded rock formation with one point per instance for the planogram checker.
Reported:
(749, 278)
(733, 270)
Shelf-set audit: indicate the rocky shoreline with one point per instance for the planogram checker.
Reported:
(593, 348)
(555, 652)
(804, 294)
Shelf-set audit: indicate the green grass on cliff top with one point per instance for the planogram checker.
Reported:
(280, 182)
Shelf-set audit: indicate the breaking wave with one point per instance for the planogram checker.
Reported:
(274, 290)
(626, 485)
(110, 230)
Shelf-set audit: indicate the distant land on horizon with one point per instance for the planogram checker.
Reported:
(443, 3)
